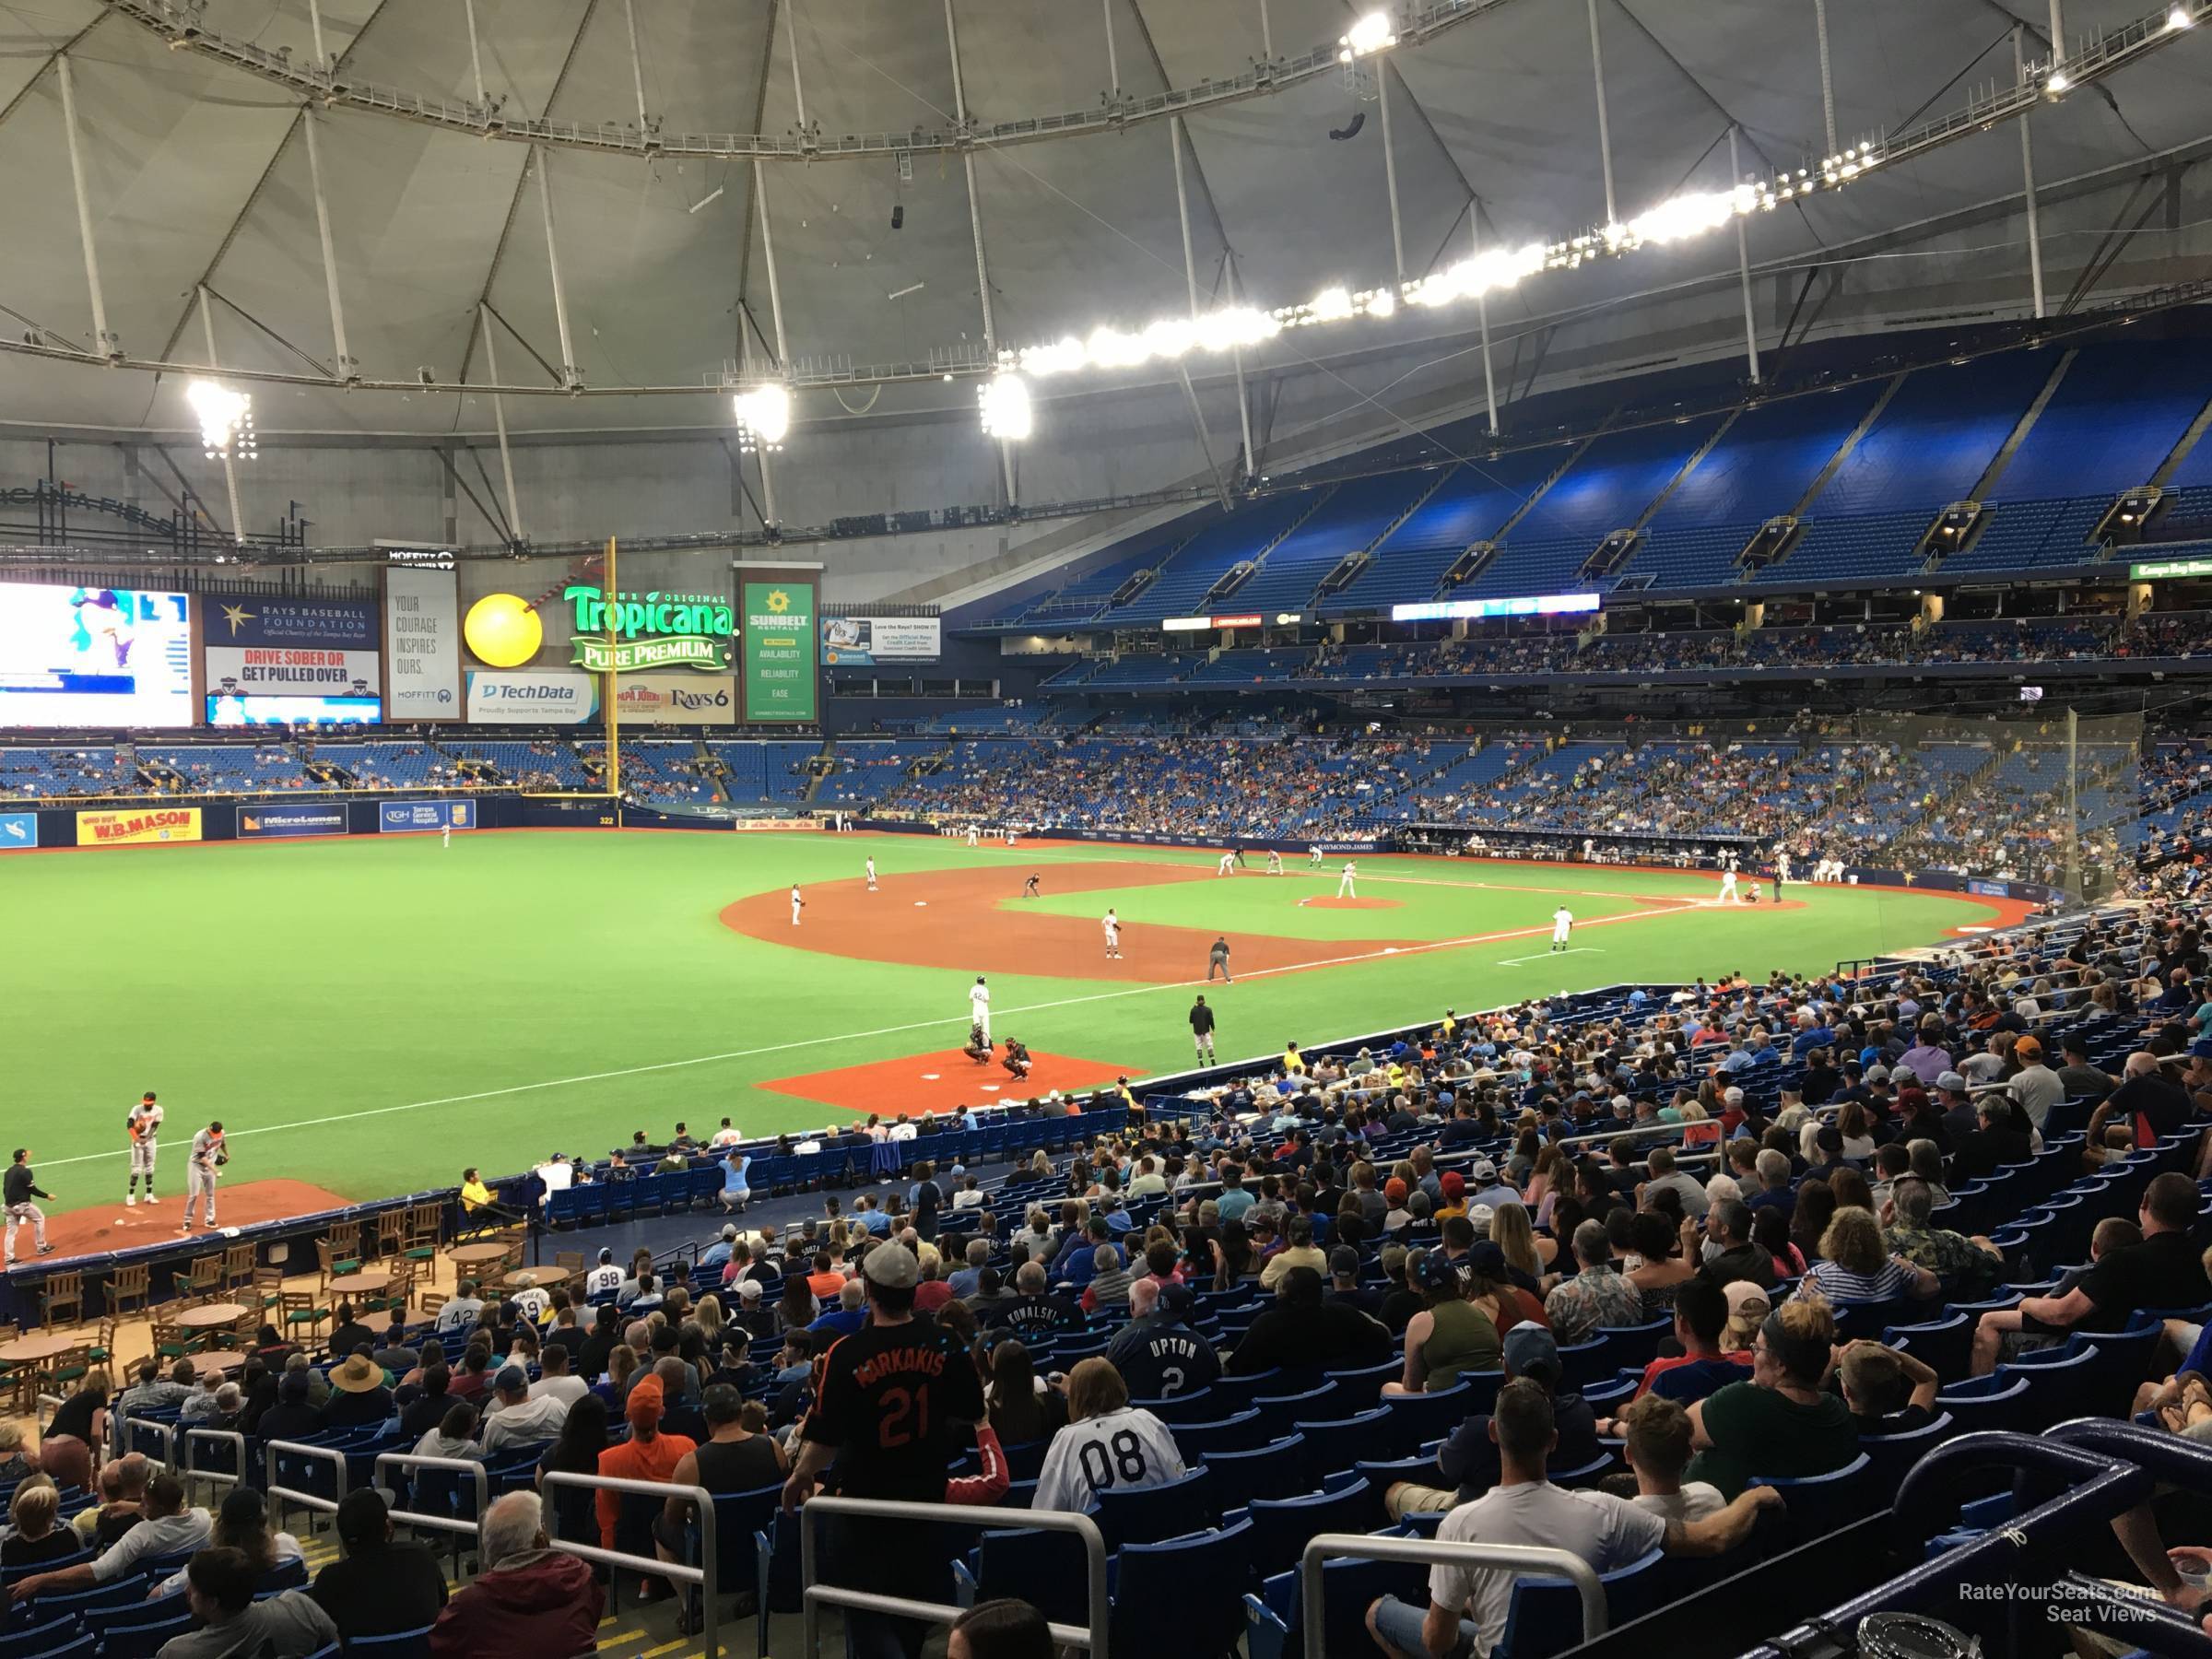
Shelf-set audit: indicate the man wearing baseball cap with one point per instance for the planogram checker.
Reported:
(2035, 1086)
(647, 1454)
(892, 1400)
(1469, 1455)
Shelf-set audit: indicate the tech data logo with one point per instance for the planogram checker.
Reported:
(504, 630)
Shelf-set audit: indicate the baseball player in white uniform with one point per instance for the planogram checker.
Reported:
(1112, 923)
(1228, 866)
(1313, 856)
(201, 1170)
(1781, 866)
(144, 1126)
(798, 904)
(979, 1006)
(1348, 883)
(972, 836)
(1275, 862)
(871, 872)
(1728, 893)
(1563, 923)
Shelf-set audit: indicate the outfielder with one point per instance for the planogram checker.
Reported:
(144, 1125)
(1348, 883)
(1563, 923)
(201, 1169)
(871, 872)
(18, 1189)
(1113, 924)
(798, 904)
(979, 1006)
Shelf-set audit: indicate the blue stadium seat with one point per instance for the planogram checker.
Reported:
(1946, 1345)
(1362, 1387)
(406, 1644)
(1276, 1616)
(1274, 1470)
(1337, 1445)
(1816, 1505)
(1147, 1514)
(1545, 1615)
(1183, 1598)
(1999, 1401)
(1416, 1420)
(1238, 1434)
(1280, 1527)
(1890, 1456)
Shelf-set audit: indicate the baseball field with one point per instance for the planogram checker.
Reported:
(368, 1015)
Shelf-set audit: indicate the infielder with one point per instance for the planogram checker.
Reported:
(144, 1126)
(979, 1006)
(1113, 924)
(201, 1169)
(1202, 1030)
(1029, 889)
(1313, 856)
(1228, 866)
(1348, 883)
(871, 872)
(18, 1189)
(1218, 959)
(798, 904)
(1275, 862)
(1563, 923)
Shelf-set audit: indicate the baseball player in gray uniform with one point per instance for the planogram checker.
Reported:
(209, 1154)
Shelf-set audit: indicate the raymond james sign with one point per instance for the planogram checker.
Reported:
(649, 630)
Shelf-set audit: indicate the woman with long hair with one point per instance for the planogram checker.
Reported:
(69, 1450)
(1234, 1258)
(1664, 1268)
(575, 1450)
(1858, 1131)
(1816, 1208)
(1770, 1232)
(1134, 1449)
(1512, 1231)
(797, 1309)
(1543, 1187)
(1018, 1412)
(1851, 1188)
(242, 1524)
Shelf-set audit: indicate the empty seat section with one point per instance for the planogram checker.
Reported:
(1181, 588)
(1468, 507)
(1761, 466)
(1353, 516)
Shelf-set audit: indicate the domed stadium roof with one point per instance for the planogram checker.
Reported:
(192, 121)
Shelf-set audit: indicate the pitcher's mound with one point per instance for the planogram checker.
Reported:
(1335, 904)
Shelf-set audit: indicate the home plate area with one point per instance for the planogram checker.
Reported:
(943, 1082)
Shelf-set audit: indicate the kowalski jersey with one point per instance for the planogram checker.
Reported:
(1128, 1448)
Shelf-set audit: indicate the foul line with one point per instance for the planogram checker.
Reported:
(894, 1030)
(1547, 955)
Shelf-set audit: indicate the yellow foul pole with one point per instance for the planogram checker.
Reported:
(614, 733)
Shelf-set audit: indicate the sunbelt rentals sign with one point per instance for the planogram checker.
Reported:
(628, 632)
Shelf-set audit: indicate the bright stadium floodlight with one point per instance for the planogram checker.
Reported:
(226, 421)
(2057, 83)
(1005, 399)
(2179, 18)
(1370, 34)
(763, 416)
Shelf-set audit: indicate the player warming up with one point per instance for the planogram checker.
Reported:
(143, 1126)
(979, 1007)
(798, 904)
(871, 872)
(1347, 884)
(1563, 923)
(201, 1170)
(20, 1188)
(1202, 1030)
(1112, 923)
(1029, 889)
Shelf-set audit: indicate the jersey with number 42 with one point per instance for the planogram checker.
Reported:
(1116, 1450)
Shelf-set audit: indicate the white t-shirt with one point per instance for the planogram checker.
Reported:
(1606, 1532)
(459, 1313)
(1694, 1502)
(1117, 1450)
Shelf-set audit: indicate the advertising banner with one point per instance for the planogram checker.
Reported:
(18, 831)
(290, 670)
(257, 823)
(779, 648)
(400, 818)
(689, 700)
(146, 826)
(422, 634)
(257, 647)
(862, 642)
(81, 656)
(227, 709)
(631, 631)
(532, 696)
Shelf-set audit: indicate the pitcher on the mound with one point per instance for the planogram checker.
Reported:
(1346, 883)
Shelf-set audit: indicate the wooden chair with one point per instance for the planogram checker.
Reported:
(59, 1292)
(426, 1230)
(169, 1339)
(102, 1350)
(300, 1312)
(238, 1262)
(345, 1239)
(66, 1370)
(392, 1233)
(329, 1264)
(570, 1262)
(432, 1301)
(130, 1283)
(268, 1289)
(200, 1280)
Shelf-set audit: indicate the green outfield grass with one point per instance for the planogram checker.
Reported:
(372, 1014)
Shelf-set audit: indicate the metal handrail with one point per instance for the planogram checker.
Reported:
(167, 1431)
(990, 1519)
(215, 1475)
(1527, 1560)
(460, 1465)
(706, 1575)
(280, 1495)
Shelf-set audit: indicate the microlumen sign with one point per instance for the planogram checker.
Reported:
(650, 631)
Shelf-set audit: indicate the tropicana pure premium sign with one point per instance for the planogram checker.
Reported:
(650, 631)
